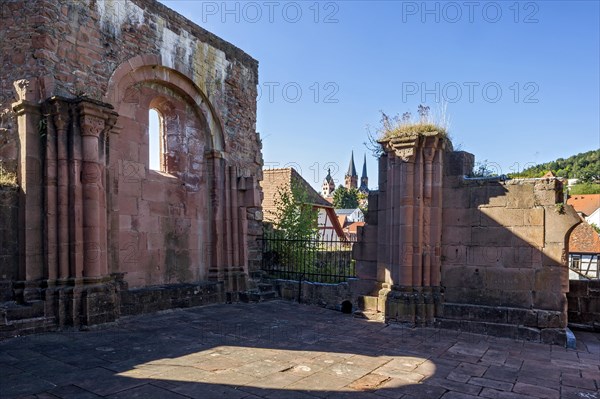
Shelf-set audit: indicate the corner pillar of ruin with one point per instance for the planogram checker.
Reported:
(412, 201)
(31, 263)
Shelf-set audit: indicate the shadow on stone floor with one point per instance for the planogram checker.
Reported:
(284, 350)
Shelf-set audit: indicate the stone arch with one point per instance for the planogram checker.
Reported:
(166, 234)
(149, 68)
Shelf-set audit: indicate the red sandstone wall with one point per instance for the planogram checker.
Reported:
(135, 55)
(504, 246)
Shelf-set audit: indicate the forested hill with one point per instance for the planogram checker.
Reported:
(584, 166)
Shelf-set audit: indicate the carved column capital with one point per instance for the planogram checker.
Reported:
(59, 110)
(91, 125)
(403, 146)
(110, 122)
(95, 118)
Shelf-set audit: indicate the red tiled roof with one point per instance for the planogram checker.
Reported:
(584, 239)
(585, 203)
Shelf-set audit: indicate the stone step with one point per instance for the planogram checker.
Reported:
(368, 303)
(257, 296)
(32, 325)
(555, 336)
(265, 287)
(257, 274)
(369, 315)
(30, 310)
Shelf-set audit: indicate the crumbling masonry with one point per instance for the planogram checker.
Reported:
(91, 226)
(479, 255)
(90, 232)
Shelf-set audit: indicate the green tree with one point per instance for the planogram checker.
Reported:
(296, 219)
(296, 230)
(584, 166)
(584, 188)
(344, 198)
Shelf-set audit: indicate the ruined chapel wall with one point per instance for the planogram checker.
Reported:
(503, 247)
(134, 55)
(21, 47)
(74, 47)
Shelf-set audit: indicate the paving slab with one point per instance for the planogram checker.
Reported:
(285, 350)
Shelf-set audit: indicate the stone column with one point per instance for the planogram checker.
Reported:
(95, 122)
(216, 214)
(30, 198)
(60, 168)
(413, 202)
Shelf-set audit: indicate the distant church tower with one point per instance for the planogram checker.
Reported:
(351, 178)
(364, 179)
(328, 185)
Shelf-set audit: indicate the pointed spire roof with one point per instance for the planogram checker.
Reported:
(351, 167)
(364, 172)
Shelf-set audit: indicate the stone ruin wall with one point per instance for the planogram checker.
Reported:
(478, 255)
(94, 68)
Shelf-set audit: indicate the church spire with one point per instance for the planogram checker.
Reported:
(351, 178)
(364, 179)
(351, 168)
(364, 172)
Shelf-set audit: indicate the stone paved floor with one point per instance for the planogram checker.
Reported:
(284, 350)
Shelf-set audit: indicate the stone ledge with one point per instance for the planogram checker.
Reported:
(155, 298)
(555, 336)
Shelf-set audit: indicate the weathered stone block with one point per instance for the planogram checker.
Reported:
(455, 198)
(533, 217)
(523, 317)
(528, 334)
(521, 196)
(492, 236)
(501, 330)
(454, 255)
(366, 269)
(521, 257)
(508, 298)
(497, 216)
(484, 256)
(458, 163)
(368, 302)
(549, 319)
(546, 196)
(460, 217)
(456, 235)
(549, 300)
(463, 277)
(558, 222)
(510, 279)
(531, 235)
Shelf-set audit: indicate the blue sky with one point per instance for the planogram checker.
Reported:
(521, 80)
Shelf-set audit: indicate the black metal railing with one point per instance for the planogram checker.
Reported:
(318, 260)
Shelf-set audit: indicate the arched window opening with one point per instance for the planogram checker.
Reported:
(155, 140)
